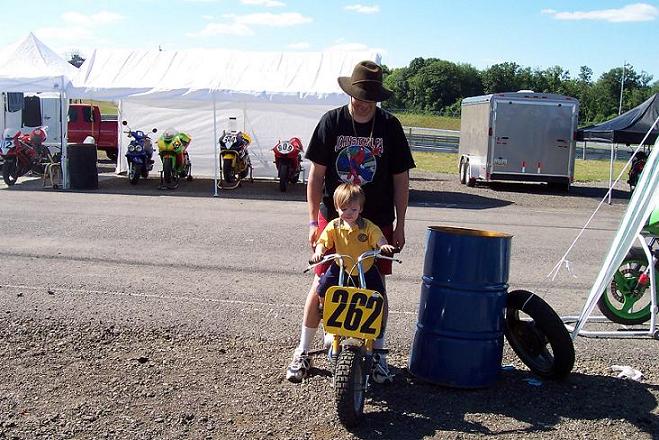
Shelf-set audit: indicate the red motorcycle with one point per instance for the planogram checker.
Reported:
(23, 153)
(288, 158)
(638, 163)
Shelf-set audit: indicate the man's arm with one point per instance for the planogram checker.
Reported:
(314, 195)
(401, 199)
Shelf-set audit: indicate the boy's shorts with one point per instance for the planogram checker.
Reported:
(331, 278)
(384, 266)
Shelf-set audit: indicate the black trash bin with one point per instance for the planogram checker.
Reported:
(83, 173)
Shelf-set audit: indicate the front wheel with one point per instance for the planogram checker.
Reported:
(349, 387)
(540, 338)
(463, 172)
(627, 301)
(283, 177)
(168, 170)
(10, 172)
(134, 172)
(227, 170)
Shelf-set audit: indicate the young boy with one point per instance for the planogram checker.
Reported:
(349, 234)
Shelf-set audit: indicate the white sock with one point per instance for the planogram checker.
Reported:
(378, 344)
(306, 338)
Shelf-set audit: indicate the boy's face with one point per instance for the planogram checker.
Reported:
(350, 212)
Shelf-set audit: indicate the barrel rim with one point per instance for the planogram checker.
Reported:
(467, 231)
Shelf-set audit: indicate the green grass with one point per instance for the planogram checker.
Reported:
(428, 121)
(584, 171)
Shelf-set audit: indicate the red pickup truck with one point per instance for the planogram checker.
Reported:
(85, 120)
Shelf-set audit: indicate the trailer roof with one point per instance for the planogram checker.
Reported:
(521, 95)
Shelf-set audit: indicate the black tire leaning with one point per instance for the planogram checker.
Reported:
(463, 172)
(349, 384)
(10, 172)
(283, 177)
(604, 305)
(529, 339)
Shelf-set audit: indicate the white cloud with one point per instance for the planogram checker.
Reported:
(363, 9)
(242, 24)
(207, 17)
(266, 3)
(629, 13)
(92, 20)
(354, 47)
(212, 29)
(285, 19)
(300, 45)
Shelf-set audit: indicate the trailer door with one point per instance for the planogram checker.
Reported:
(532, 137)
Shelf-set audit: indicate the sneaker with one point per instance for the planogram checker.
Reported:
(299, 367)
(380, 372)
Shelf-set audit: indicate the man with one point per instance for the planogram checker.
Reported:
(362, 144)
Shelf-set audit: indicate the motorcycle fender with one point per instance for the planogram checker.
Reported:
(228, 155)
(352, 342)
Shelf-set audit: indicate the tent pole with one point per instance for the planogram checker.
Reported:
(64, 161)
(215, 158)
(611, 174)
(584, 151)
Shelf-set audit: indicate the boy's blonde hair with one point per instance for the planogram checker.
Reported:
(347, 193)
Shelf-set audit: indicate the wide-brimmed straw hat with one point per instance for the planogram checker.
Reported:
(365, 83)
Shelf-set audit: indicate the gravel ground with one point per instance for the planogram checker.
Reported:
(100, 349)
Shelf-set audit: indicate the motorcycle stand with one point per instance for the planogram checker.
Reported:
(223, 184)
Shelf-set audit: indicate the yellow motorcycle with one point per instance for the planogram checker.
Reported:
(353, 318)
(235, 163)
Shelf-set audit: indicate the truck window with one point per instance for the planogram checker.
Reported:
(87, 114)
(73, 114)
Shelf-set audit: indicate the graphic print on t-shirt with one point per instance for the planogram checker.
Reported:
(356, 159)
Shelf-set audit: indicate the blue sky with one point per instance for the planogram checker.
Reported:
(536, 33)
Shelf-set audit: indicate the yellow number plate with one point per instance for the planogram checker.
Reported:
(353, 312)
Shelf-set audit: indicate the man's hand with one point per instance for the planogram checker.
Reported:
(313, 235)
(398, 237)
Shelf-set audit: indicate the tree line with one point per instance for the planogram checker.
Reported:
(432, 85)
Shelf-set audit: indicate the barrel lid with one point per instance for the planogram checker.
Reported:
(467, 231)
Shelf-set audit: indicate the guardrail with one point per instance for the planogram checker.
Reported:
(432, 139)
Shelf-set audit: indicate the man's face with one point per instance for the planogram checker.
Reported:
(362, 111)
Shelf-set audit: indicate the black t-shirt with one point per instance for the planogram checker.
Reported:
(352, 155)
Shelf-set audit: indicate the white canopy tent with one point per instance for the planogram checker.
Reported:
(273, 95)
(29, 66)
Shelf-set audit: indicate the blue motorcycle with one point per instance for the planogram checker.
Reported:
(140, 150)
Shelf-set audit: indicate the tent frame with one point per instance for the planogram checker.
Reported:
(651, 332)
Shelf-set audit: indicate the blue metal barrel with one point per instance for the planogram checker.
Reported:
(459, 335)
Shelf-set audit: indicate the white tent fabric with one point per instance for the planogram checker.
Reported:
(274, 95)
(643, 201)
(31, 66)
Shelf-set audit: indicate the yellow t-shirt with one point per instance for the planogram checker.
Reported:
(354, 242)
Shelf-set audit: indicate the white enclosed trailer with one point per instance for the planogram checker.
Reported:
(521, 136)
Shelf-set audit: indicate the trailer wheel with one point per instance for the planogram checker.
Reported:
(463, 172)
(471, 181)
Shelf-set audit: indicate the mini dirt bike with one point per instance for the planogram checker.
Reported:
(140, 151)
(24, 153)
(234, 159)
(353, 316)
(288, 159)
(628, 300)
(636, 168)
(172, 149)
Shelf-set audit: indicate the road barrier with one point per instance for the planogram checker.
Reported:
(432, 139)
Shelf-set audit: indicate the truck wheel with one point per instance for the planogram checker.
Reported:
(463, 172)
(540, 340)
(112, 155)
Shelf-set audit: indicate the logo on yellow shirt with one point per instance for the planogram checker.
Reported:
(362, 237)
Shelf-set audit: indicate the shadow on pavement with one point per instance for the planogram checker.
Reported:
(412, 409)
